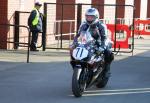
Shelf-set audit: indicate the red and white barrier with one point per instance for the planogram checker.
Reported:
(120, 43)
(141, 27)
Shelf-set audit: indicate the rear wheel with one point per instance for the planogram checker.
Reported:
(102, 83)
(103, 80)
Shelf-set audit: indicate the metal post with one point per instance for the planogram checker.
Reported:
(115, 28)
(16, 30)
(44, 27)
(61, 30)
(79, 14)
(28, 52)
(133, 28)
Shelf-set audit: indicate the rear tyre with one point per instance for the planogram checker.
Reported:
(105, 77)
(102, 83)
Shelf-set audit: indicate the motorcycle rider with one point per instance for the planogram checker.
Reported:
(98, 31)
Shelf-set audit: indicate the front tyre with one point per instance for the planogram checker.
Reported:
(77, 86)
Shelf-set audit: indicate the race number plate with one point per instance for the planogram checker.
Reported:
(80, 53)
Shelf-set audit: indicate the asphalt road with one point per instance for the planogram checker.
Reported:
(50, 82)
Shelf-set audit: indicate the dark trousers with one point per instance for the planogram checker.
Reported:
(34, 40)
(109, 56)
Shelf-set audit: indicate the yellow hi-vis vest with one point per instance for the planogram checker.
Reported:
(36, 19)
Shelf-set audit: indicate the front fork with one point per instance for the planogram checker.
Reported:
(83, 75)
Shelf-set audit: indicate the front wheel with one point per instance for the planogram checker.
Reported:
(78, 85)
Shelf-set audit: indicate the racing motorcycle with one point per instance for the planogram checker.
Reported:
(87, 61)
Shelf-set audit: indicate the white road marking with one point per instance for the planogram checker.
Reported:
(115, 92)
(118, 90)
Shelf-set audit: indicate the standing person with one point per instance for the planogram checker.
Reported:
(99, 33)
(35, 25)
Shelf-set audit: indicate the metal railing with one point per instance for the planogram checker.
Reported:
(78, 17)
(17, 43)
(57, 33)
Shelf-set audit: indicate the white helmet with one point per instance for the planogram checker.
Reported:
(93, 12)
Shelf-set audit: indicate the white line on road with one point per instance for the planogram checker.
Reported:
(116, 92)
(119, 90)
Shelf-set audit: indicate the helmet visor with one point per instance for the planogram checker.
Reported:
(90, 18)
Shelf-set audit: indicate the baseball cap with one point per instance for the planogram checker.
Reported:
(38, 3)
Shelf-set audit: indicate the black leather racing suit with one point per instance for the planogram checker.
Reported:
(99, 33)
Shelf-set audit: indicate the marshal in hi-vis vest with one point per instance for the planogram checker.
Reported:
(36, 19)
